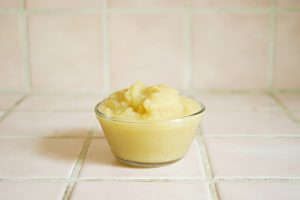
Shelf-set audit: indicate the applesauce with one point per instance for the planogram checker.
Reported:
(149, 125)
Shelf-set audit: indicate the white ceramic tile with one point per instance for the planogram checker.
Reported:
(287, 50)
(60, 102)
(10, 4)
(38, 157)
(288, 3)
(297, 114)
(31, 190)
(11, 56)
(58, 4)
(248, 123)
(46, 124)
(259, 191)
(291, 101)
(254, 157)
(146, 47)
(100, 162)
(237, 101)
(147, 3)
(137, 191)
(231, 3)
(230, 50)
(68, 56)
(8, 100)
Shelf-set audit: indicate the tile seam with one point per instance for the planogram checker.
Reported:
(258, 179)
(96, 91)
(77, 167)
(288, 113)
(148, 10)
(173, 179)
(206, 164)
(288, 136)
(11, 109)
(25, 49)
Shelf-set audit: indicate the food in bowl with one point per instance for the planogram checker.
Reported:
(149, 126)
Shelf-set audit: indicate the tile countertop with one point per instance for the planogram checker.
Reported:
(248, 147)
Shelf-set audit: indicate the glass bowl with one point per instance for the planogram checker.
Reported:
(149, 143)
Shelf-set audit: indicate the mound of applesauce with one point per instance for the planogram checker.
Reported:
(148, 125)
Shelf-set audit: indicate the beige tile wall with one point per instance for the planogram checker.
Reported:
(98, 45)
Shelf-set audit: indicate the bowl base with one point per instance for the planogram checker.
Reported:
(140, 164)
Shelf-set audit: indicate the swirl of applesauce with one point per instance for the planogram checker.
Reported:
(142, 102)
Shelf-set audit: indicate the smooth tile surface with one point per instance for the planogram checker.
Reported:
(230, 50)
(31, 190)
(10, 4)
(137, 191)
(288, 3)
(147, 4)
(38, 157)
(259, 191)
(100, 162)
(287, 60)
(254, 157)
(248, 123)
(11, 67)
(8, 100)
(60, 102)
(146, 47)
(56, 4)
(69, 56)
(297, 114)
(237, 102)
(291, 101)
(46, 124)
(231, 3)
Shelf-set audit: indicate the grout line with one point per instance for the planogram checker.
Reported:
(258, 179)
(271, 47)
(41, 137)
(288, 136)
(213, 190)
(106, 54)
(8, 111)
(95, 91)
(25, 48)
(187, 47)
(206, 164)
(290, 115)
(65, 91)
(148, 10)
(207, 169)
(204, 156)
(10, 91)
(287, 91)
(53, 110)
(77, 167)
(120, 179)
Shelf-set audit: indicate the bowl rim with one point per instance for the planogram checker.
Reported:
(118, 119)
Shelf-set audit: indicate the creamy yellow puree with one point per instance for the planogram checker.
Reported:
(142, 102)
(147, 137)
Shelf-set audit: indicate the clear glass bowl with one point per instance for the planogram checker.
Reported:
(149, 143)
